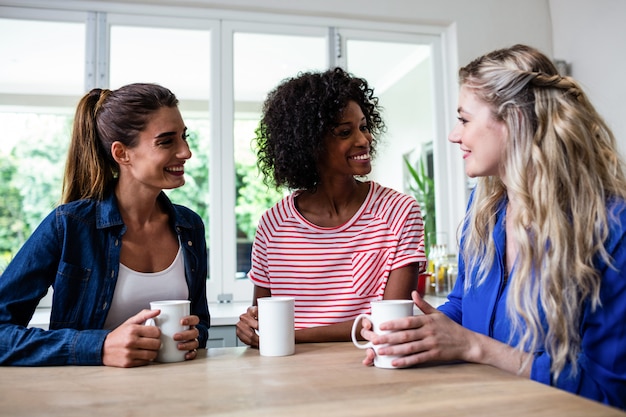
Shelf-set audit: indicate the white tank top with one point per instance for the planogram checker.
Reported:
(134, 290)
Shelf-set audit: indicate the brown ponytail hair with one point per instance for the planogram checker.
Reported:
(103, 117)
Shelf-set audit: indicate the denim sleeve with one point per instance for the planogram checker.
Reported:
(22, 285)
(198, 285)
(20, 346)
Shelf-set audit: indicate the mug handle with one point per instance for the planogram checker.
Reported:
(355, 341)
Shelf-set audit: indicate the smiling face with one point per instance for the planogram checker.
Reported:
(157, 161)
(481, 137)
(348, 145)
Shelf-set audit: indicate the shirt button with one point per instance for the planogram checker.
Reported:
(104, 306)
(189, 243)
(112, 273)
(117, 242)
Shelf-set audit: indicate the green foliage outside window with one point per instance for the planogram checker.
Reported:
(32, 159)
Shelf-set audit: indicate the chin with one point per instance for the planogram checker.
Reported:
(173, 186)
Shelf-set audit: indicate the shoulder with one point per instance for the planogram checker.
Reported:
(80, 210)
(77, 206)
(384, 197)
(184, 213)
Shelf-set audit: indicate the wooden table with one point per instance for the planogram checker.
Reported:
(325, 379)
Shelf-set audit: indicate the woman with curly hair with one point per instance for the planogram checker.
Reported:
(337, 242)
(541, 290)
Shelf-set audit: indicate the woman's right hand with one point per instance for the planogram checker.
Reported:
(368, 334)
(247, 326)
(132, 343)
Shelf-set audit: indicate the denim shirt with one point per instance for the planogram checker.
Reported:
(76, 251)
(602, 359)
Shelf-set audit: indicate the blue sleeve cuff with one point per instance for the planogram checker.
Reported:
(87, 347)
(540, 371)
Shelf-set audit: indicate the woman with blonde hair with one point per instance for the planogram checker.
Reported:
(541, 290)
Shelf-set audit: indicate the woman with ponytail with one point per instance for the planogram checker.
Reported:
(541, 290)
(114, 244)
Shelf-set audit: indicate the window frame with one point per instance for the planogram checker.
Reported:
(221, 160)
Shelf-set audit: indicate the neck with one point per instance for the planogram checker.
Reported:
(136, 207)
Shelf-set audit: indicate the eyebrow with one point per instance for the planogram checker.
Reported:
(166, 134)
(347, 122)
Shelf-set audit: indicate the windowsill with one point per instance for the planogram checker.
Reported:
(222, 314)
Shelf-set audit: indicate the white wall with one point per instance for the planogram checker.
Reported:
(590, 35)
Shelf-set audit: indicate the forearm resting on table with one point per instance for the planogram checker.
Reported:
(489, 351)
(339, 332)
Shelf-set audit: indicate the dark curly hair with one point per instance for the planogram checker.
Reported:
(298, 114)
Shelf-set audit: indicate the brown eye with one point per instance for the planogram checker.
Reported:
(341, 132)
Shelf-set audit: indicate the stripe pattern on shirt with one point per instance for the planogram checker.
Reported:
(334, 273)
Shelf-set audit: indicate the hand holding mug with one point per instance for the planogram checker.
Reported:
(131, 343)
(382, 311)
(179, 337)
(247, 327)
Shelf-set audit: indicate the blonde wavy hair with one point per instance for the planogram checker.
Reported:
(562, 167)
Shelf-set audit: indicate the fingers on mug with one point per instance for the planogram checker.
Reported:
(168, 321)
(382, 311)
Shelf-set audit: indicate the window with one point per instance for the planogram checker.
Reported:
(38, 94)
(221, 71)
(274, 53)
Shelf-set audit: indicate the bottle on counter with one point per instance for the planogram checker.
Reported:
(441, 270)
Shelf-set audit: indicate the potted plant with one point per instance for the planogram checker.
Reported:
(422, 187)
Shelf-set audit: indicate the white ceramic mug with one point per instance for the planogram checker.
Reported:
(382, 311)
(276, 326)
(168, 321)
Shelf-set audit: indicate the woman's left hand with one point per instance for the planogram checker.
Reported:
(188, 339)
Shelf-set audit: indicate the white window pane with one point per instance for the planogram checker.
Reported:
(41, 80)
(261, 62)
(178, 59)
(405, 88)
(41, 58)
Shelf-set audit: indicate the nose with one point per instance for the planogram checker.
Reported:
(455, 134)
(184, 151)
(364, 138)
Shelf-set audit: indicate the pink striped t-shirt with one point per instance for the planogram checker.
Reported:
(335, 272)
